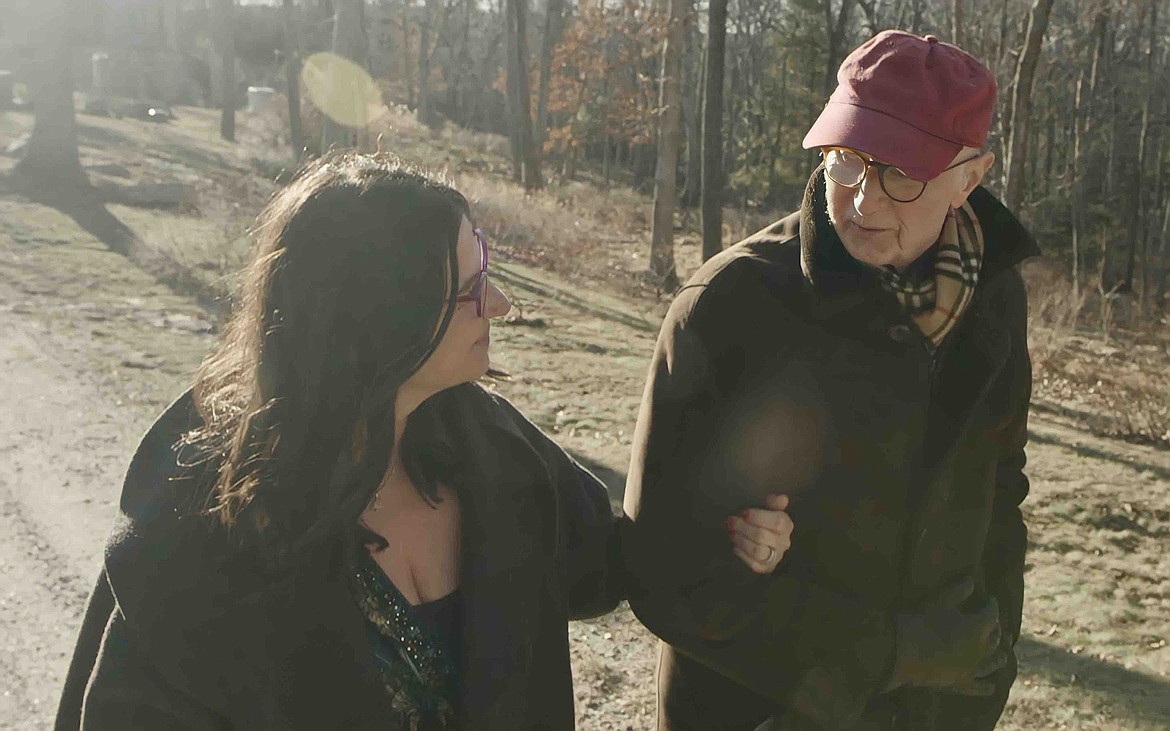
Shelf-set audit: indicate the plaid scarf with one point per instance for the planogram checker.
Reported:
(936, 303)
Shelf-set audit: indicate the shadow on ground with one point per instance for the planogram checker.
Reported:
(1138, 696)
(88, 210)
(1085, 450)
(511, 276)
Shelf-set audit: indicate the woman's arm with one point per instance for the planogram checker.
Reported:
(125, 691)
(589, 538)
(596, 579)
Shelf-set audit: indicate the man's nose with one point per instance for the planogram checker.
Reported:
(869, 196)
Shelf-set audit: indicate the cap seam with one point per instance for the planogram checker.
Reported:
(908, 124)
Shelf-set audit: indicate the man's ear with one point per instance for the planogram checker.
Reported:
(974, 172)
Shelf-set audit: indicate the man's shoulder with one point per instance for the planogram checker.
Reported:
(766, 261)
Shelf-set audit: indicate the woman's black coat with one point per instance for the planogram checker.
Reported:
(182, 633)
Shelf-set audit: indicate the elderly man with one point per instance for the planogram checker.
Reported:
(867, 356)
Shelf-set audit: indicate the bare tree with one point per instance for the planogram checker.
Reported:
(525, 146)
(292, 75)
(666, 176)
(1096, 72)
(554, 25)
(693, 83)
(225, 45)
(349, 41)
(424, 61)
(712, 191)
(427, 49)
(512, 93)
(1163, 255)
(1017, 129)
(1078, 186)
(1136, 200)
(835, 30)
(51, 155)
(957, 22)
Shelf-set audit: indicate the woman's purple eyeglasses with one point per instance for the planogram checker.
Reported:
(478, 291)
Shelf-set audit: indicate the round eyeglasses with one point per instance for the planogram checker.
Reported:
(478, 291)
(848, 169)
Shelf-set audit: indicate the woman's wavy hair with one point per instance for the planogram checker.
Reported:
(349, 288)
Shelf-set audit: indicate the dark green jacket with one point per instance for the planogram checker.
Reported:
(185, 631)
(783, 366)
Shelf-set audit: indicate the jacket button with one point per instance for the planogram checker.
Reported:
(901, 334)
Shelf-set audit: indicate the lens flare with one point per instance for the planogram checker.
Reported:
(341, 89)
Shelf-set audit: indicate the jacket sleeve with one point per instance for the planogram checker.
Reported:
(85, 651)
(124, 691)
(793, 638)
(586, 530)
(590, 544)
(1007, 537)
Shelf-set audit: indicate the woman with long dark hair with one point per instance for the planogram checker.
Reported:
(337, 527)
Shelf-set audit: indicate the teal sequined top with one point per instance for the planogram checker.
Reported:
(416, 649)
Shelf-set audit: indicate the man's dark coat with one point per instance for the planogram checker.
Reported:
(784, 366)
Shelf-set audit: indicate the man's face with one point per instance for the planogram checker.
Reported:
(880, 231)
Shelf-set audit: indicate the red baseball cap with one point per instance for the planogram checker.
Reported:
(909, 101)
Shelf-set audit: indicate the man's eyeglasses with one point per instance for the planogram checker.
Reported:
(478, 291)
(848, 168)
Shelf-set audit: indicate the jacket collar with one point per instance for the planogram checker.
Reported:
(832, 272)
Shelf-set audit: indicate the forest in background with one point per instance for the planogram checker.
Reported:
(701, 103)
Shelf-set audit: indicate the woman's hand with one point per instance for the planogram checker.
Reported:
(761, 536)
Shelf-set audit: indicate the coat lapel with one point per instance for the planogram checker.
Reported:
(507, 524)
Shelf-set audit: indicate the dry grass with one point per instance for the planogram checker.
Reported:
(1091, 371)
(574, 228)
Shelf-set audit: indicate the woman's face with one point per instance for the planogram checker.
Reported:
(462, 354)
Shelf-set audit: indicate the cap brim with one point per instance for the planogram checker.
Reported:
(919, 154)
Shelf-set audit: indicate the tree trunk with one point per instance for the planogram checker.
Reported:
(606, 158)
(225, 45)
(349, 41)
(1113, 149)
(525, 146)
(1017, 133)
(463, 65)
(512, 95)
(404, 16)
(835, 30)
(778, 137)
(712, 193)
(424, 63)
(51, 156)
(554, 26)
(1049, 152)
(957, 22)
(292, 69)
(1136, 217)
(1088, 172)
(694, 82)
(1163, 255)
(731, 113)
(666, 176)
(1078, 185)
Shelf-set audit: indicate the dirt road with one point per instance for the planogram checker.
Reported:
(91, 348)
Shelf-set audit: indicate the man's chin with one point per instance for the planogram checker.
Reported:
(876, 254)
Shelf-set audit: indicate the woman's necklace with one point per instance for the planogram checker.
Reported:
(376, 502)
